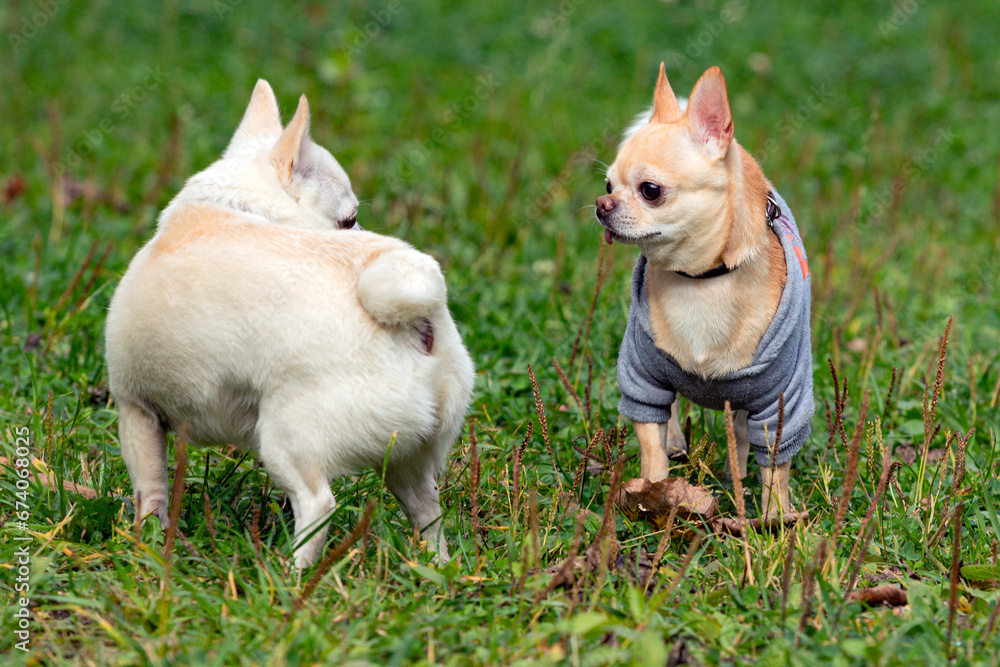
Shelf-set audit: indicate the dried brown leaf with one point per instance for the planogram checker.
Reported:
(886, 595)
(654, 501)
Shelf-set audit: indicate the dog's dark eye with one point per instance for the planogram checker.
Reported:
(609, 187)
(651, 191)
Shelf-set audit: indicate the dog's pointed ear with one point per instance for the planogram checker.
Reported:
(261, 118)
(286, 151)
(665, 106)
(708, 114)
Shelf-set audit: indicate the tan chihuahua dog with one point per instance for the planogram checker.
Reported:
(720, 293)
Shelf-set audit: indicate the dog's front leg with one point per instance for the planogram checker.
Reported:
(652, 450)
(676, 444)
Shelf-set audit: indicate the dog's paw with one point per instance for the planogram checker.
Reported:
(677, 446)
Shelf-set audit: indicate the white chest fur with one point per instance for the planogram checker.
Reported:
(711, 327)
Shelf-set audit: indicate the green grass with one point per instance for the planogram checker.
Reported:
(477, 132)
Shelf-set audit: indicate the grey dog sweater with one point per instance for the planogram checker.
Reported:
(649, 378)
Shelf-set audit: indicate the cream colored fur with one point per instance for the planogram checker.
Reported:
(252, 325)
(710, 213)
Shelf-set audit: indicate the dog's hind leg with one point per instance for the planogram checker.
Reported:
(676, 444)
(144, 449)
(774, 498)
(296, 472)
(413, 484)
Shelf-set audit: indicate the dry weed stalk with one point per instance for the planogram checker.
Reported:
(809, 585)
(888, 396)
(569, 386)
(973, 397)
(583, 333)
(861, 546)
(956, 484)
(896, 465)
(661, 548)
(529, 558)
(176, 495)
(606, 543)
(786, 574)
(955, 561)
(840, 402)
(361, 529)
(71, 287)
(534, 527)
(474, 487)
(741, 512)
(688, 557)
(599, 435)
(563, 575)
(518, 459)
(930, 401)
(209, 520)
(166, 167)
(543, 423)
(959, 474)
(850, 474)
(255, 528)
(137, 524)
(830, 428)
(990, 624)
(609, 442)
(622, 438)
(50, 431)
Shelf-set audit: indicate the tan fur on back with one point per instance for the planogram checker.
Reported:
(206, 223)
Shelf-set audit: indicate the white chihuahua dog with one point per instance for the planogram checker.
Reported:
(249, 320)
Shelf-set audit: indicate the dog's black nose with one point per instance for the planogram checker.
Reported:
(605, 205)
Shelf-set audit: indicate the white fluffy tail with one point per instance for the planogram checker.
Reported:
(402, 287)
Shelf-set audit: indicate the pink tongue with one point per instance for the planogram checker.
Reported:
(608, 237)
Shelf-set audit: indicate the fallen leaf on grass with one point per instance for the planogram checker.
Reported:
(886, 595)
(656, 501)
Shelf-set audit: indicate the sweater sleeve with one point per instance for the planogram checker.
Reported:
(646, 395)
